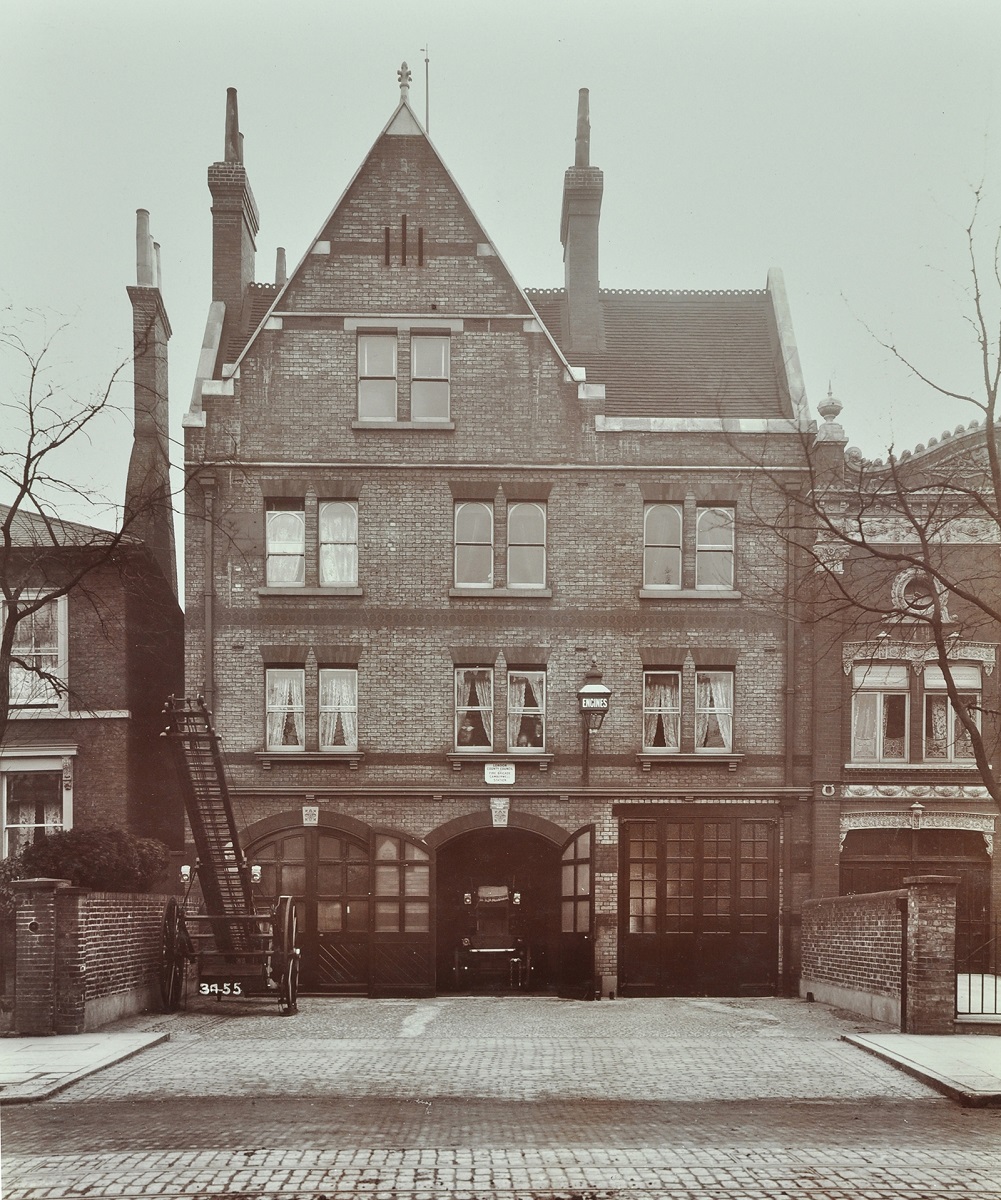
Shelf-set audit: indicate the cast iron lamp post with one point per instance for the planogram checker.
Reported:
(592, 701)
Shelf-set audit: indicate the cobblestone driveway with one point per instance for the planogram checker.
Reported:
(503, 1098)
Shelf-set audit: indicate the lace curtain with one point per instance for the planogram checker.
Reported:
(662, 704)
(338, 710)
(714, 710)
(286, 709)
(338, 543)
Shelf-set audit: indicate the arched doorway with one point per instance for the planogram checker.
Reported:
(363, 901)
(473, 868)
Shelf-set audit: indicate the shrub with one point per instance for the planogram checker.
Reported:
(11, 868)
(104, 859)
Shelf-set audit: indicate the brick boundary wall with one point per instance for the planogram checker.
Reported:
(853, 953)
(83, 958)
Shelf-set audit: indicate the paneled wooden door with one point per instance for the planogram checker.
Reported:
(698, 906)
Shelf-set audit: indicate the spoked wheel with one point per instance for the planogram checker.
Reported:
(284, 955)
(172, 956)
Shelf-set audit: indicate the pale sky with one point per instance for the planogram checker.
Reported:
(841, 142)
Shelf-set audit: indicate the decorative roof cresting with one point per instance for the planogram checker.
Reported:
(403, 75)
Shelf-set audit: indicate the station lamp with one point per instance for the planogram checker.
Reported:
(592, 702)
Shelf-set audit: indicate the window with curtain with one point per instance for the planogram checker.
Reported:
(377, 376)
(338, 708)
(880, 705)
(429, 372)
(946, 738)
(661, 710)
(714, 710)
(338, 527)
(662, 526)
(37, 673)
(32, 806)
(526, 710)
(286, 708)
(285, 535)
(474, 708)
(714, 548)
(526, 545)
(474, 544)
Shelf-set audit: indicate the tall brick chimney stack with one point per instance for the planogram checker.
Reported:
(582, 189)
(149, 512)
(235, 221)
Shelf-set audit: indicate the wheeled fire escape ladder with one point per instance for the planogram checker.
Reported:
(223, 870)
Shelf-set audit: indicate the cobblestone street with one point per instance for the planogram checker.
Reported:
(502, 1098)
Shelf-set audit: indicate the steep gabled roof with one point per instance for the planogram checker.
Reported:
(682, 353)
(30, 529)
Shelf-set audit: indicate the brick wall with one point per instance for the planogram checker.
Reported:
(83, 958)
(888, 955)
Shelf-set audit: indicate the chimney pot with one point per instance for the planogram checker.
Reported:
(144, 250)
(281, 272)
(233, 148)
(582, 144)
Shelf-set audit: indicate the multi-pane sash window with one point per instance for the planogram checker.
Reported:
(946, 739)
(474, 707)
(377, 377)
(429, 370)
(474, 544)
(286, 708)
(662, 525)
(36, 676)
(714, 548)
(285, 533)
(338, 708)
(338, 526)
(526, 710)
(526, 545)
(33, 805)
(879, 713)
(661, 710)
(714, 710)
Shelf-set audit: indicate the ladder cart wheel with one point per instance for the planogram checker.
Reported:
(284, 955)
(172, 956)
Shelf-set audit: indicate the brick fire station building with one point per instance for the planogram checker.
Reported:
(428, 502)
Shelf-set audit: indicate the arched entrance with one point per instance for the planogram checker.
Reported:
(514, 907)
(363, 901)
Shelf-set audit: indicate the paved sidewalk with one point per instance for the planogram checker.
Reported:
(34, 1068)
(965, 1067)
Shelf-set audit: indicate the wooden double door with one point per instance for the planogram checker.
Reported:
(698, 905)
(363, 906)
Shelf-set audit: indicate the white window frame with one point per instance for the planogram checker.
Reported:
(49, 700)
(346, 711)
(284, 549)
(460, 507)
(422, 377)
(882, 681)
(365, 374)
(714, 547)
(296, 674)
(713, 710)
(658, 713)
(969, 684)
(649, 511)
(349, 543)
(519, 713)
(56, 760)
(514, 510)
(463, 677)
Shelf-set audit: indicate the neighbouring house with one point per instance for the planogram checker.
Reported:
(92, 666)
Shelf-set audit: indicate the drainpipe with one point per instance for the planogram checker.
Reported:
(208, 491)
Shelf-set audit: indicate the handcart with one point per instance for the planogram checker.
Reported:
(237, 947)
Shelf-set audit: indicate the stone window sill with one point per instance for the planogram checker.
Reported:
(433, 425)
(689, 594)
(351, 758)
(967, 767)
(311, 591)
(459, 757)
(673, 758)
(468, 593)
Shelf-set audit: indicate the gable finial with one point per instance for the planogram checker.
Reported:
(403, 75)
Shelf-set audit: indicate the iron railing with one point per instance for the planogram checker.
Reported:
(978, 969)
